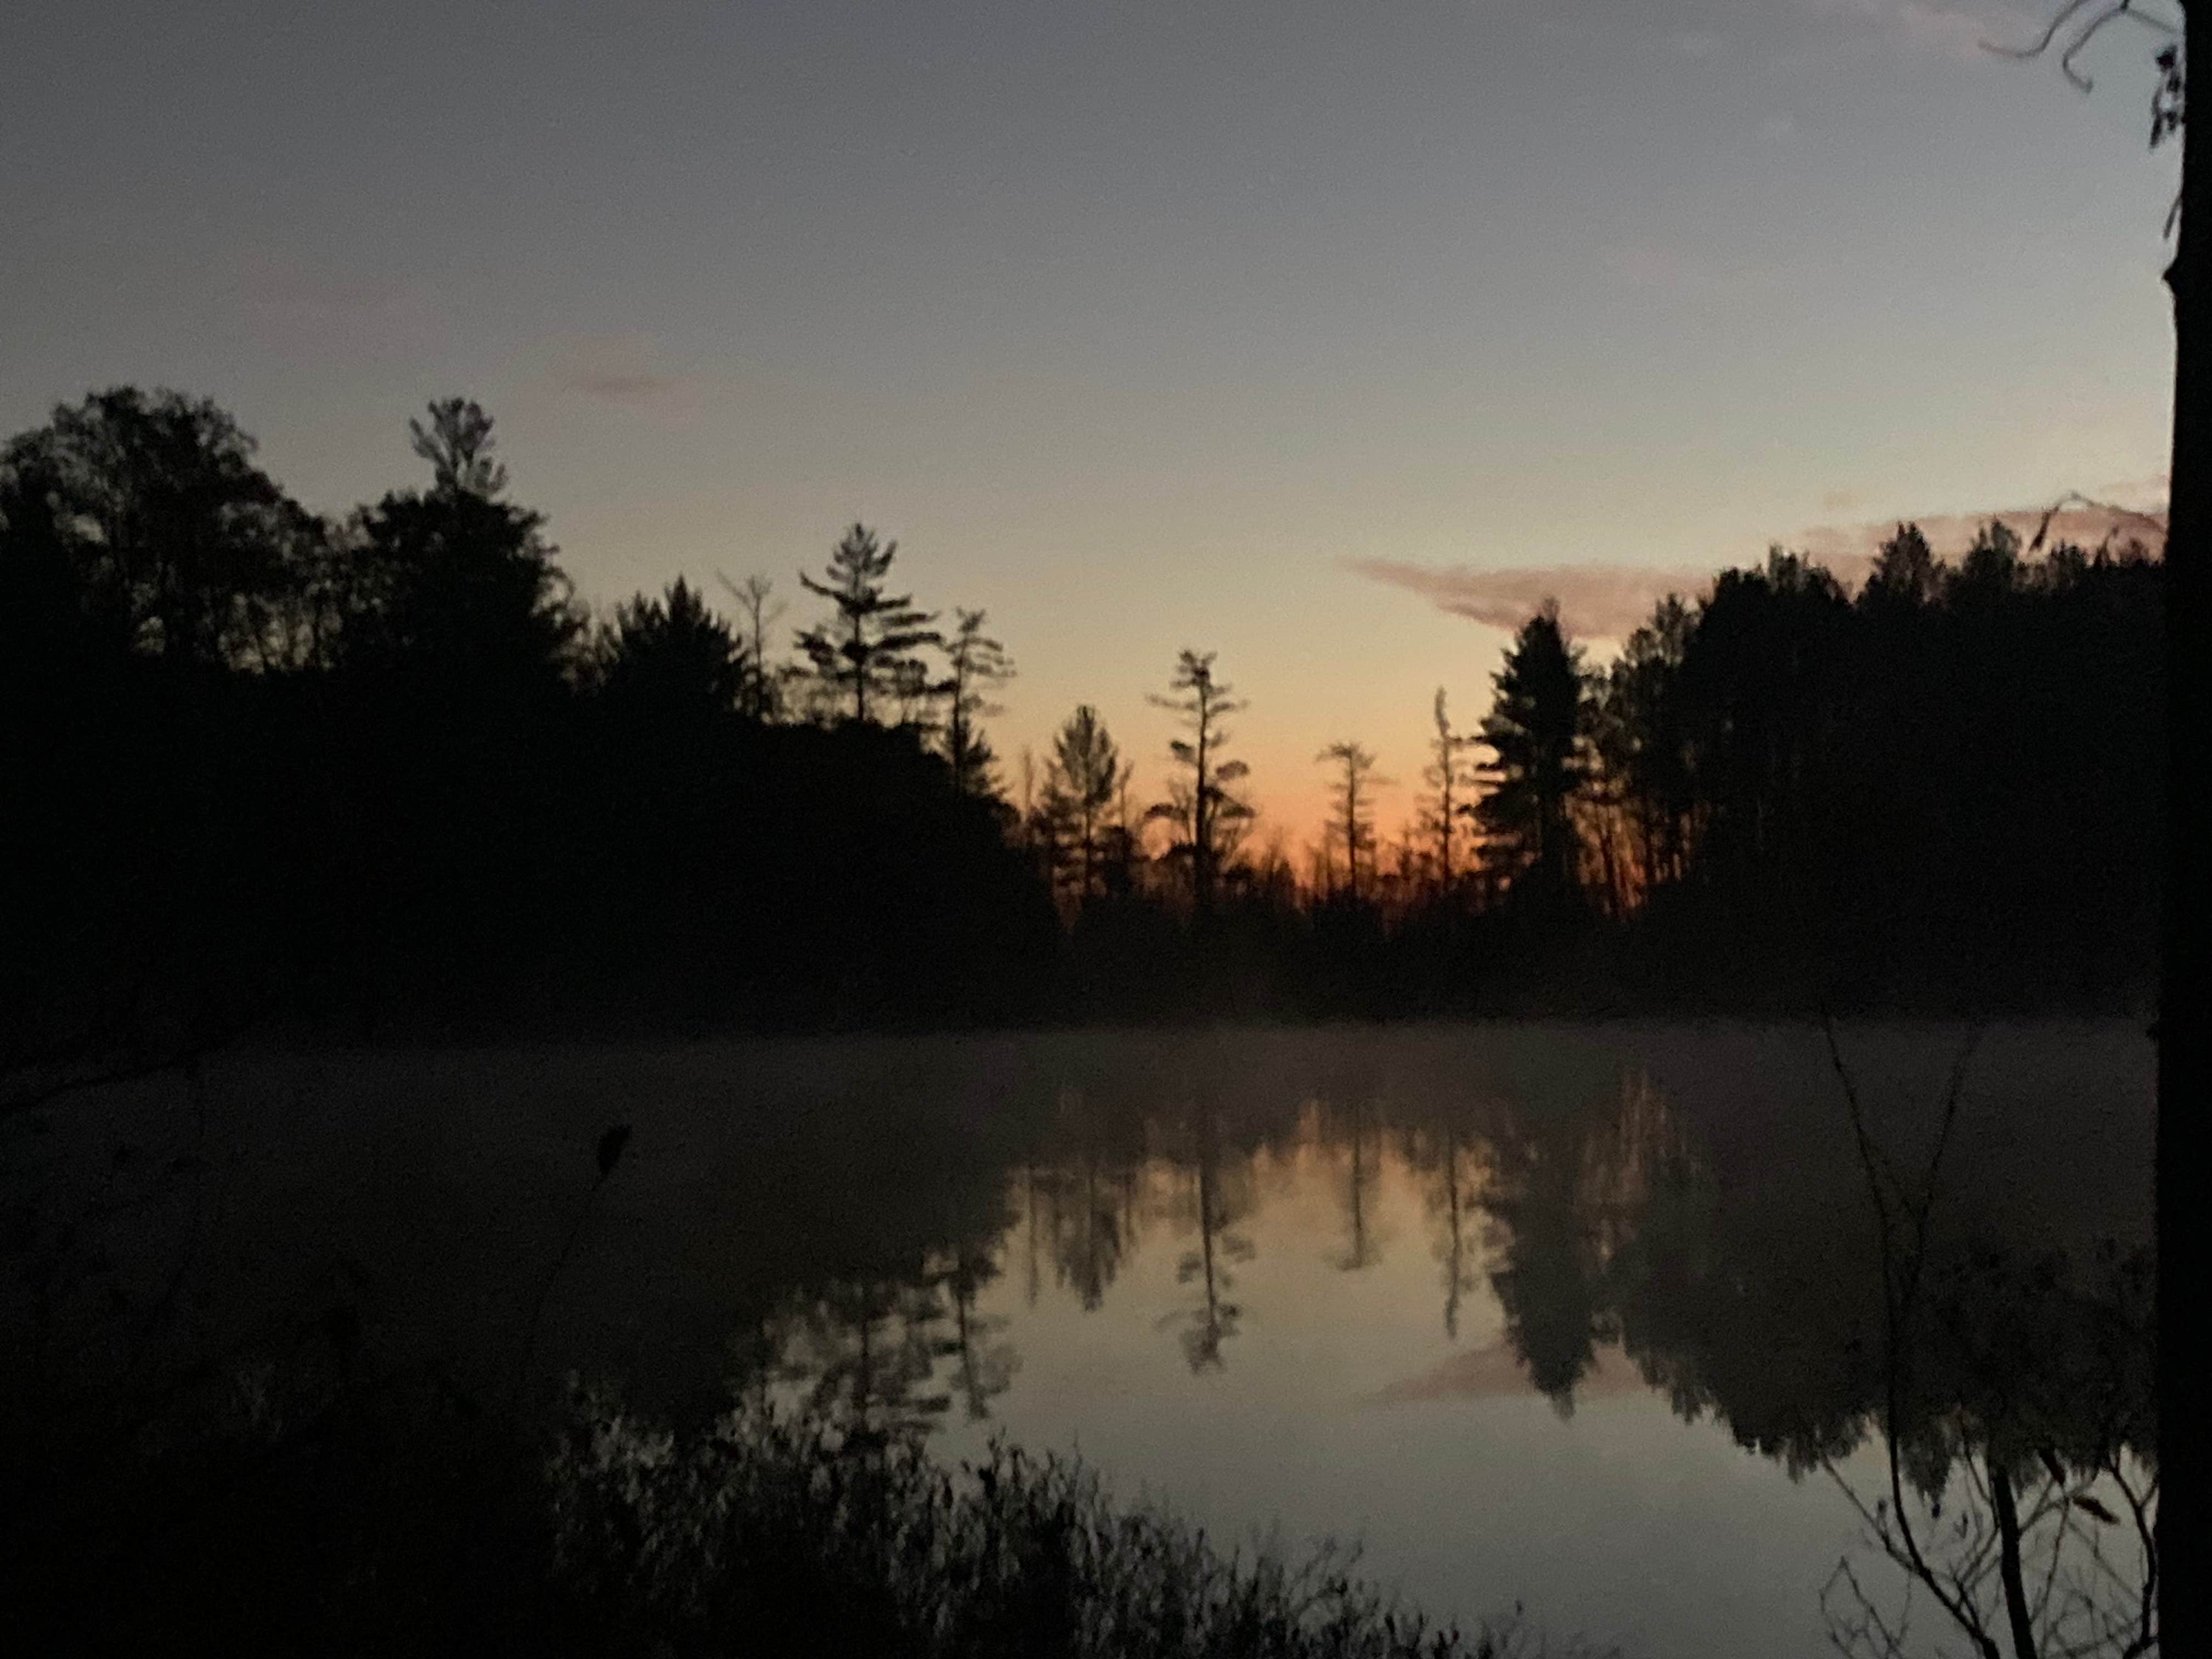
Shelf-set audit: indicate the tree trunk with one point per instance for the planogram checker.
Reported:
(2008, 1568)
(2183, 1003)
(1201, 821)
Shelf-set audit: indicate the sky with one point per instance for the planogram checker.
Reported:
(1321, 334)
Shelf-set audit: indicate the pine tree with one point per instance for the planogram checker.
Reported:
(977, 663)
(673, 656)
(864, 650)
(1536, 732)
(1642, 752)
(456, 580)
(1905, 571)
(1084, 782)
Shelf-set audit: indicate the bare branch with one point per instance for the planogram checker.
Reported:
(2072, 9)
(2110, 12)
(2075, 498)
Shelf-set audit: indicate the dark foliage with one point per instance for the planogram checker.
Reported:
(385, 774)
(380, 772)
(767, 1534)
(1949, 786)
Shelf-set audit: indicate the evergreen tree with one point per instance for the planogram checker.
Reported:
(673, 657)
(1991, 567)
(1643, 783)
(1536, 730)
(455, 582)
(1905, 571)
(864, 650)
(977, 663)
(1766, 694)
(1084, 782)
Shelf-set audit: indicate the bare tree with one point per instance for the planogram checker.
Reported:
(2021, 1566)
(1352, 827)
(1450, 779)
(762, 698)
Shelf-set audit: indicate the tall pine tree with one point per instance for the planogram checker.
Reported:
(1536, 732)
(864, 651)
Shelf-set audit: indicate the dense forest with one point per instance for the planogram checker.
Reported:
(388, 773)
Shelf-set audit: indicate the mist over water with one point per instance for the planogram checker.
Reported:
(1564, 1316)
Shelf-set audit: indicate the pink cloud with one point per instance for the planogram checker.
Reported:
(1610, 601)
(1596, 601)
(1851, 548)
(622, 369)
(308, 305)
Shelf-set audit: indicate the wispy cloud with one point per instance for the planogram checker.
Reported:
(624, 370)
(1851, 548)
(292, 298)
(1596, 601)
(1610, 601)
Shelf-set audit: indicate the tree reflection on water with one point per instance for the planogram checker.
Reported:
(1816, 1273)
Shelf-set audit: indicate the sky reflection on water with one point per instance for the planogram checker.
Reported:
(1569, 1316)
(1517, 1311)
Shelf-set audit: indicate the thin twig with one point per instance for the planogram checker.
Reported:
(1896, 1309)
(610, 1154)
(2112, 13)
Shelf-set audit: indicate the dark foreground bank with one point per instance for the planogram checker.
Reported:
(303, 1506)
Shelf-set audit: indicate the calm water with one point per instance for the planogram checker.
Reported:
(1564, 1316)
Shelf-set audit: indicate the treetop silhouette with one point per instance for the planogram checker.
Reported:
(865, 651)
(1208, 819)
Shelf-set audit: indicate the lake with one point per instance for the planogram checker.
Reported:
(1588, 1319)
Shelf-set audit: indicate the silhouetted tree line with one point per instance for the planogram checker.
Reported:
(1944, 791)
(1947, 785)
(387, 767)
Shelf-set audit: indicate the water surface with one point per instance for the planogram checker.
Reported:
(1588, 1319)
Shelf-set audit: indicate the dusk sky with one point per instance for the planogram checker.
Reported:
(1141, 325)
